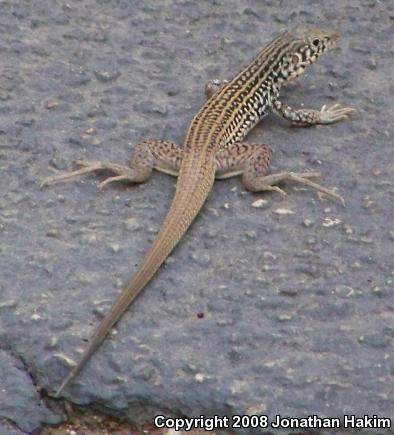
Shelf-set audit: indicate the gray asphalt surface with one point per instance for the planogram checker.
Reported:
(281, 309)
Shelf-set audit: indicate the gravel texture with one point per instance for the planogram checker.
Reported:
(284, 307)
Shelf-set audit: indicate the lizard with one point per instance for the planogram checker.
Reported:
(214, 147)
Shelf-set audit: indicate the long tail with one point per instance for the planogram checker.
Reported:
(193, 186)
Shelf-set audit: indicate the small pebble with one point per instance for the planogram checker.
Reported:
(283, 211)
(259, 203)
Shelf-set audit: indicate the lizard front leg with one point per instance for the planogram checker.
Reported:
(212, 86)
(252, 161)
(308, 117)
(299, 117)
(147, 155)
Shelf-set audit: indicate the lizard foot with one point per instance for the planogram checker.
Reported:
(123, 173)
(334, 113)
(267, 183)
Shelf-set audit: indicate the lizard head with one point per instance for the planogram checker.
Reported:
(305, 46)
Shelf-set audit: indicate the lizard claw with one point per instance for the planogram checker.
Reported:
(114, 179)
(275, 189)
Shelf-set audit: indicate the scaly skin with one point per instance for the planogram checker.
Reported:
(213, 147)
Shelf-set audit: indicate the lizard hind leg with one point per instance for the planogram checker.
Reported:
(252, 161)
(214, 85)
(146, 155)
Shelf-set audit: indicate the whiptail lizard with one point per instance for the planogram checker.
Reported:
(214, 147)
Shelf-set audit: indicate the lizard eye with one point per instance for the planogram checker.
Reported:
(315, 42)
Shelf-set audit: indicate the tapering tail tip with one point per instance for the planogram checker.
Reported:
(65, 383)
(60, 389)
